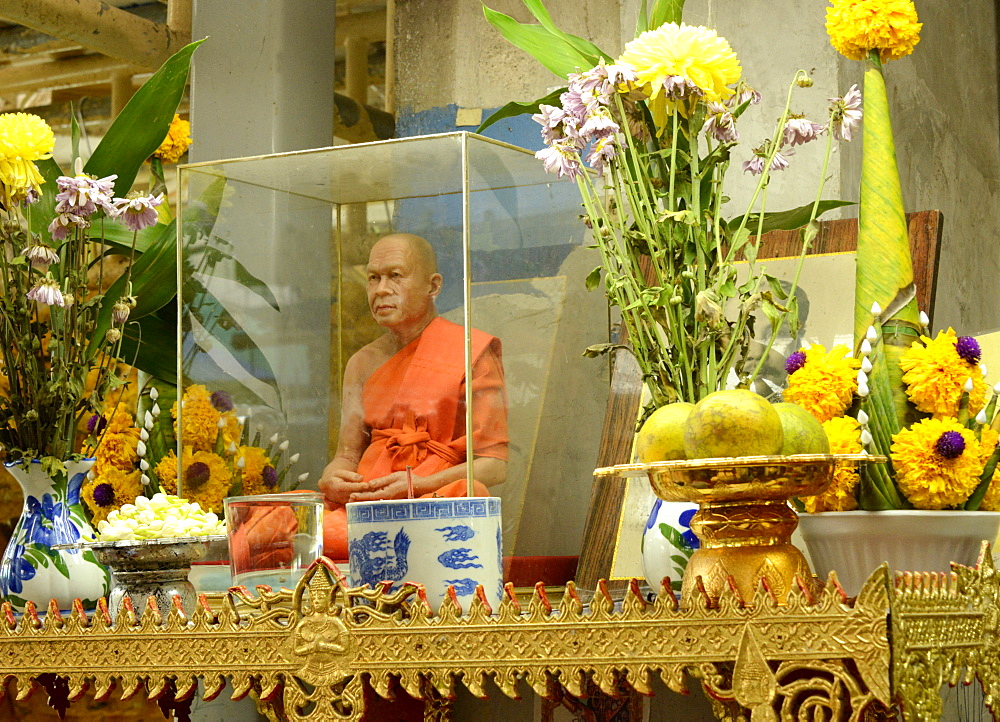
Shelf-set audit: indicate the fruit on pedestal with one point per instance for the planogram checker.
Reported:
(802, 432)
(661, 437)
(734, 422)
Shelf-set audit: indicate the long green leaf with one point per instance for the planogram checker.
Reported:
(143, 123)
(154, 280)
(514, 109)
(150, 344)
(242, 275)
(550, 50)
(663, 11)
(788, 220)
(582, 46)
(44, 210)
(203, 306)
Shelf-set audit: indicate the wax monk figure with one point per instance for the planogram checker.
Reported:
(404, 397)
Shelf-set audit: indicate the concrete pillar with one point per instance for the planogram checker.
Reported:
(263, 82)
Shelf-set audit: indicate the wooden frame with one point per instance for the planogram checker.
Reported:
(604, 515)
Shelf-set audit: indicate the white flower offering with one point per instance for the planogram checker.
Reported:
(163, 516)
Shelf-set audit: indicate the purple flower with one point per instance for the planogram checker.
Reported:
(104, 494)
(138, 212)
(950, 445)
(83, 194)
(968, 349)
(845, 114)
(676, 87)
(598, 125)
(222, 401)
(31, 196)
(756, 164)
(197, 474)
(721, 124)
(38, 254)
(64, 222)
(119, 313)
(47, 292)
(269, 476)
(602, 150)
(795, 361)
(743, 93)
(799, 130)
(562, 158)
(557, 124)
(96, 424)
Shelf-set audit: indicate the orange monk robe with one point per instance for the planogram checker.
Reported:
(414, 408)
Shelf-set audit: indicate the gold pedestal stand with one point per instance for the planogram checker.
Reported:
(744, 522)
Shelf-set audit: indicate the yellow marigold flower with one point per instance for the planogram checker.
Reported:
(24, 138)
(232, 431)
(844, 434)
(694, 54)
(857, 26)
(110, 490)
(207, 477)
(988, 441)
(255, 479)
(117, 451)
(935, 373)
(937, 463)
(119, 420)
(176, 143)
(201, 418)
(822, 382)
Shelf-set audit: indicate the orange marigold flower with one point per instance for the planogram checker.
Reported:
(822, 382)
(207, 477)
(935, 374)
(844, 434)
(176, 143)
(937, 463)
(200, 418)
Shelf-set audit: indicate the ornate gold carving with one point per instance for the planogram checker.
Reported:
(305, 654)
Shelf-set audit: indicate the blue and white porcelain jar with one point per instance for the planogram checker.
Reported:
(31, 570)
(436, 542)
(668, 542)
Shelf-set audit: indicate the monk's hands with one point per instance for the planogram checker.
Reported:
(392, 486)
(338, 485)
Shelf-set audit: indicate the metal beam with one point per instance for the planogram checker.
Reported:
(99, 27)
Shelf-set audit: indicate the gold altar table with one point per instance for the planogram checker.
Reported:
(307, 654)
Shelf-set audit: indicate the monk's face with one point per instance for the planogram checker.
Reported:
(401, 288)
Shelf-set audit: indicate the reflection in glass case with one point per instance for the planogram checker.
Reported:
(288, 314)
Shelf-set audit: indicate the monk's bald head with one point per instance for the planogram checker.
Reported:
(419, 252)
(403, 283)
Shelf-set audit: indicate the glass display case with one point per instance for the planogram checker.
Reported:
(278, 296)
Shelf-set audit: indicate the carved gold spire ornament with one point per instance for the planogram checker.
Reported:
(305, 653)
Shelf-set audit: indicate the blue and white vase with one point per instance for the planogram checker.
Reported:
(438, 542)
(668, 542)
(31, 570)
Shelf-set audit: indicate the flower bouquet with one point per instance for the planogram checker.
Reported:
(83, 266)
(657, 127)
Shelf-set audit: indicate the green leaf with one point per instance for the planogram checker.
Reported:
(776, 288)
(675, 538)
(143, 123)
(584, 47)
(150, 344)
(44, 210)
(201, 305)
(665, 11)
(17, 601)
(593, 279)
(154, 283)
(555, 53)
(514, 109)
(788, 220)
